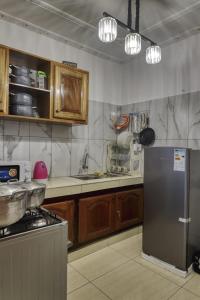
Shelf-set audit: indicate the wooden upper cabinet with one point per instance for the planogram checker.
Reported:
(70, 93)
(96, 217)
(129, 208)
(4, 67)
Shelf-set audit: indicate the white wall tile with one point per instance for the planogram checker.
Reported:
(95, 120)
(62, 131)
(61, 157)
(16, 128)
(95, 162)
(178, 117)
(40, 130)
(79, 157)
(194, 116)
(16, 148)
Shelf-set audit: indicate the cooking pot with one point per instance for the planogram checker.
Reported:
(19, 71)
(13, 203)
(36, 193)
(21, 110)
(21, 79)
(21, 99)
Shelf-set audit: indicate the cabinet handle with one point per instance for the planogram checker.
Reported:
(119, 214)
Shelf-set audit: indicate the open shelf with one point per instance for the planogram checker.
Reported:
(23, 88)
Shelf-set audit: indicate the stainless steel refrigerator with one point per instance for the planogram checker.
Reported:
(171, 231)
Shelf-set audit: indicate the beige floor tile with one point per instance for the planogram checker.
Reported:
(130, 248)
(165, 273)
(123, 236)
(87, 250)
(184, 295)
(132, 281)
(74, 279)
(194, 285)
(87, 292)
(98, 263)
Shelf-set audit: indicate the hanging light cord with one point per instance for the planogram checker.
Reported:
(137, 17)
(129, 20)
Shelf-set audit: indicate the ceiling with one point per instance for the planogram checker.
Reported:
(75, 21)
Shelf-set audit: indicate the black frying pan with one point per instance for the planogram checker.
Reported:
(147, 136)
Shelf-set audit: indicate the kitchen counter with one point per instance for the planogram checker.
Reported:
(66, 186)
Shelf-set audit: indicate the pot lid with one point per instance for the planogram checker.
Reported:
(9, 189)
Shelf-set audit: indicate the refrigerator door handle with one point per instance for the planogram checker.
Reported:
(184, 220)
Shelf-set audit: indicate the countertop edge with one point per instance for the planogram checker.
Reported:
(66, 186)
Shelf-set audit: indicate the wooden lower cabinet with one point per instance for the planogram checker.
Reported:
(129, 208)
(65, 210)
(96, 217)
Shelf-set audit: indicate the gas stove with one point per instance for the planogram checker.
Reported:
(33, 219)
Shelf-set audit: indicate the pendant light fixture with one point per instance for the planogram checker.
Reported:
(108, 33)
(107, 29)
(153, 54)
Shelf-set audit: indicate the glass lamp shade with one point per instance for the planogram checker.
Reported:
(132, 43)
(153, 54)
(107, 29)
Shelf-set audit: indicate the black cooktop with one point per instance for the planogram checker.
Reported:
(33, 219)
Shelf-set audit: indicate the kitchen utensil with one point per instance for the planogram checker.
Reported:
(40, 173)
(19, 71)
(20, 79)
(22, 110)
(124, 138)
(33, 77)
(147, 135)
(21, 99)
(35, 112)
(114, 117)
(13, 203)
(36, 193)
(123, 122)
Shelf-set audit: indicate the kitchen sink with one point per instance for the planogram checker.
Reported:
(94, 176)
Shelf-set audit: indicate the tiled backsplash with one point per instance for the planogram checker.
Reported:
(176, 120)
(67, 150)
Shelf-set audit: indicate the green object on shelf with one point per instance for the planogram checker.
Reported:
(41, 74)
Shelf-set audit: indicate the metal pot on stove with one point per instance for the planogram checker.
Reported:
(13, 203)
(36, 193)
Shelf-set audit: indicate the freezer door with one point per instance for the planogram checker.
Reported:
(166, 204)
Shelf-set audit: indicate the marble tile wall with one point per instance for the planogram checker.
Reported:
(67, 150)
(176, 120)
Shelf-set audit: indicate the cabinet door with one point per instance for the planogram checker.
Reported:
(71, 93)
(65, 210)
(96, 217)
(129, 208)
(3, 79)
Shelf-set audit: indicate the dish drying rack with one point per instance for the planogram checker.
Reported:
(124, 160)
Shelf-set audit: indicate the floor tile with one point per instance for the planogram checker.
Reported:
(74, 279)
(86, 250)
(184, 295)
(132, 281)
(87, 292)
(98, 263)
(194, 285)
(163, 272)
(130, 248)
(123, 236)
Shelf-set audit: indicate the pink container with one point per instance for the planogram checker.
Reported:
(40, 173)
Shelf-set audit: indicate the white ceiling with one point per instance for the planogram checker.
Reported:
(75, 21)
